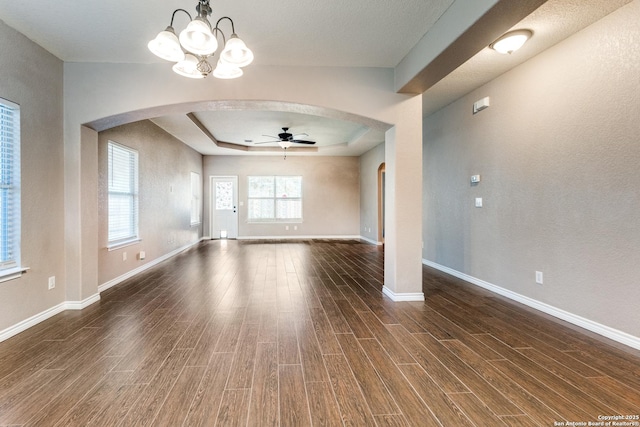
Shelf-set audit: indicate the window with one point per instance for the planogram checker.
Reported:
(195, 198)
(9, 188)
(123, 194)
(275, 198)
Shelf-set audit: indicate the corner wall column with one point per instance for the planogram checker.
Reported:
(81, 218)
(403, 205)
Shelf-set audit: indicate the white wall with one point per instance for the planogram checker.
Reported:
(164, 184)
(330, 185)
(558, 151)
(131, 92)
(32, 78)
(369, 164)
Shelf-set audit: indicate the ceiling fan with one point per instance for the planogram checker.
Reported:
(286, 139)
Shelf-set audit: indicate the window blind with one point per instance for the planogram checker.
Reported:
(9, 186)
(123, 193)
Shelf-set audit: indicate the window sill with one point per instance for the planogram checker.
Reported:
(14, 273)
(114, 246)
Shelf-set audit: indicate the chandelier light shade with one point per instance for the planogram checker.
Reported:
(236, 52)
(197, 38)
(197, 43)
(167, 46)
(188, 67)
(225, 70)
(511, 41)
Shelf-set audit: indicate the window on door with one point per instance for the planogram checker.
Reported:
(123, 195)
(275, 199)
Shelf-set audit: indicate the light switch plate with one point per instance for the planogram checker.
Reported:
(478, 202)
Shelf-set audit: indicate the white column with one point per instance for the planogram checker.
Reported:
(403, 205)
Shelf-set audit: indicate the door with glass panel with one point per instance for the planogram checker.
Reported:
(224, 207)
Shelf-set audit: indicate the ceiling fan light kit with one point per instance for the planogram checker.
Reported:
(197, 43)
(286, 140)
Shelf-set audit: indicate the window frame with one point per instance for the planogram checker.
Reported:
(133, 193)
(275, 198)
(10, 205)
(196, 197)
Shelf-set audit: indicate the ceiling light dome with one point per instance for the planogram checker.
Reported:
(167, 46)
(197, 38)
(511, 41)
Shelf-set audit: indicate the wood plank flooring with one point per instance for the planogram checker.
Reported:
(298, 334)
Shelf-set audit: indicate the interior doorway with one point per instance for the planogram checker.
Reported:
(224, 207)
(381, 197)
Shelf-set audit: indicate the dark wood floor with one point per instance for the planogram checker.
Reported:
(295, 334)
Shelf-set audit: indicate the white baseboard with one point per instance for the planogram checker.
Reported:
(373, 242)
(129, 274)
(79, 305)
(403, 296)
(291, 237)
(605, 331)
(41, 317)
(31, 321)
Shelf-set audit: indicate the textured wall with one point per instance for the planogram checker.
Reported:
(558, 151)
(369, 164)
(330, 199)
(38, 90)
(164, 184)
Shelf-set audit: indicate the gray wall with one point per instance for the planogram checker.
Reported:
(165, 165)
(32, 77)
(558, 151)
(369, 164)
(330, 199)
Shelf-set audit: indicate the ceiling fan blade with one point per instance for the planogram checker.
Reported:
(297, 135)
(302, 141)
(266, 142)
(271, 136)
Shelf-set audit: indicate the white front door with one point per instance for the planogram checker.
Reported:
(224, 207)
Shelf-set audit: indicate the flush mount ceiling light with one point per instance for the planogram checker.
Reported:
(197, 43)
(511, 41)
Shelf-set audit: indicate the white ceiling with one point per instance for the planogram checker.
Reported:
(355, 33)
(333, 137)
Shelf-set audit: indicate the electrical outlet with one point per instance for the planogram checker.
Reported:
(539, 277)
(124, 256)
(52, 282)
(286, 227)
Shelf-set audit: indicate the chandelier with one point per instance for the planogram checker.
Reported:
(197, 44)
